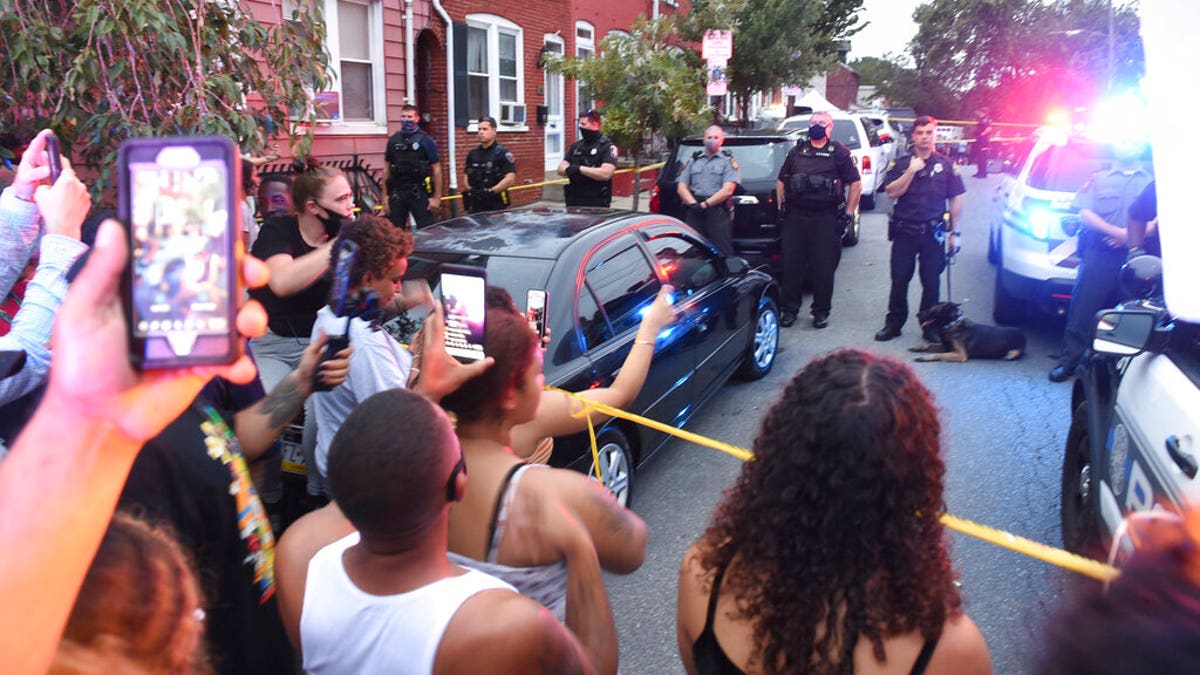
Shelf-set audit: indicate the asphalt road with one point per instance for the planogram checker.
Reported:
(1004, 428)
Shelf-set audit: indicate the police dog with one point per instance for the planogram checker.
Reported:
(962, 339)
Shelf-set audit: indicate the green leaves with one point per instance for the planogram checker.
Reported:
(99, 71)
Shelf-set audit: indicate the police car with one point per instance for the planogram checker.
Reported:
(1034, 231)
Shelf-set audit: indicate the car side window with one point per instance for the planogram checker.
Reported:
(872, 133)
(624, 283)
(846, 133)
(686, 265)
(592, 322)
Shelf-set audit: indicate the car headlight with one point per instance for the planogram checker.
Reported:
(1040, 221)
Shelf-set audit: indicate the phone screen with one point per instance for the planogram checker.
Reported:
(535, 311)
(465, 308)
(182, 231)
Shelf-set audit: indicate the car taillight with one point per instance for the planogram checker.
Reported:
(866, 164)
(655, 202)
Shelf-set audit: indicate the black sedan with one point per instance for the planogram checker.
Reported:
(600, 269)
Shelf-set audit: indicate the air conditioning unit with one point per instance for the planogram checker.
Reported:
(512, 113)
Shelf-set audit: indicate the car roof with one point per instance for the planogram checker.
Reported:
(533, 232)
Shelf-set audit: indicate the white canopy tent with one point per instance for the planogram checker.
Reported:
(813, 101)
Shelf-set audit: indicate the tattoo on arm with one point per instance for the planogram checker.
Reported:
(282, 405)
(616, 517)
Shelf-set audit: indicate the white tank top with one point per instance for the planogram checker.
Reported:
(345, 630)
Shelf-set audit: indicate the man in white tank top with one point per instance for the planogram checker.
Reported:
(386, 598)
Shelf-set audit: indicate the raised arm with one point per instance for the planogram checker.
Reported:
(291, 275)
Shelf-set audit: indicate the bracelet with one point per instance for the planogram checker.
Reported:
(28, 200)
(644, 342)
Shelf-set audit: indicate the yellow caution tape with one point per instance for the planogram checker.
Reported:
(970, 123)
(1054, 556)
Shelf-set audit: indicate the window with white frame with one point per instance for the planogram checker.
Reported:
(495, 70)
(355, 99)
(585, 48)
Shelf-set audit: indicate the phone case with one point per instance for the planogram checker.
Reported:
(179, 200)
(464, 304)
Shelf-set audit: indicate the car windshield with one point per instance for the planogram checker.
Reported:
(1065, 168)
(756, 161)
(844, 131)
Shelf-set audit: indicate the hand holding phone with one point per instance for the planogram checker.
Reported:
(179, 198)
(334, 344)
(464, 303)
(53, 157)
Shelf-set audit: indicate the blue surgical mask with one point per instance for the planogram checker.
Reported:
(816, 132)
(408, 126)
(711, 145)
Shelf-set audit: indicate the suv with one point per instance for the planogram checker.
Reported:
(1034, 231)
(860, 136)
(895, 143)
(760, 155)
(1134, 442)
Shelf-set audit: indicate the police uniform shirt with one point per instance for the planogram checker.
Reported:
(705, 175)
(398, 145)
(1109, 194)
(488, 166)
(925, 199)
(804, 153)
(981, 127)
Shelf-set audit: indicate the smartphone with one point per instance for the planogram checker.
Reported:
(343, 304)
(535, 311)
(178, 196)
(465, 309)
(53, 157)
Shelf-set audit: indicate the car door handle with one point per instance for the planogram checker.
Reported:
(1185, 461)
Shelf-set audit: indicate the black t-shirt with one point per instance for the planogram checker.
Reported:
(294, 315)
(926, 197)
(193, 478)
(1145, 209)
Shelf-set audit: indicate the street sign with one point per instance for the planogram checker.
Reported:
(717, 44)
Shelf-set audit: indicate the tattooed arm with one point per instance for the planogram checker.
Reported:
(258, 426)
(617, 533)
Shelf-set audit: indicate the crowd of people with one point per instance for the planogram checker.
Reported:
(137, 529)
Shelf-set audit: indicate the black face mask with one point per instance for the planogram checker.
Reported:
(589, 135)
(816, 132)
(331, 220)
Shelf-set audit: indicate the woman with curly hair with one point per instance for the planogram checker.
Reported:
(827, 555)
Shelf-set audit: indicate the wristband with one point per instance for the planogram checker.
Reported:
(644, 342)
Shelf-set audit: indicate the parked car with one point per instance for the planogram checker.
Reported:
(1134, 441)
(895, 143)
(600, 268)
(1034, 231)
(859, 135)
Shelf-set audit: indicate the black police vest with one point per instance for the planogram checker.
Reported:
(925, 199)
(814, 175)
(590, 155)
(409, 163)
(483, 166)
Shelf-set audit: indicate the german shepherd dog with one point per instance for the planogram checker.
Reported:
(963, 339)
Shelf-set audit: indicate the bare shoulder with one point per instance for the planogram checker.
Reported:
(499, 631)
(961, 649)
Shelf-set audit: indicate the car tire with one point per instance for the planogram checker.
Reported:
(764, 342)
(1006, 310)
(616, 464)
(850, 238)
(1079, 506)
(866, 202)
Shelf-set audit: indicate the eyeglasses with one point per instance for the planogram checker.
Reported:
(459, 467)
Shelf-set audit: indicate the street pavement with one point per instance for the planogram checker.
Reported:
(1004, 427)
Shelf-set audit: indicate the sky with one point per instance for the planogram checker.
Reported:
(890, 28)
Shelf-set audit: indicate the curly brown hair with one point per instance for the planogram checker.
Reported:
(838, 513)
(379, 242)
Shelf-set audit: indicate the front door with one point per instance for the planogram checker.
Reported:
(554, 108)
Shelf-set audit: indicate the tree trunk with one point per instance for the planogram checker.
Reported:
(637, 178)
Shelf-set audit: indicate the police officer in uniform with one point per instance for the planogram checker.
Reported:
(412, 174)
(920, 185)
(1103, 204)
(589, 165)
(983, 141)
(705, 185)
(490, 172)
(818, 188)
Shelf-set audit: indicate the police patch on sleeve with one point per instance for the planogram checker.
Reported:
(612, 150)
(890, 165)
(510, 158)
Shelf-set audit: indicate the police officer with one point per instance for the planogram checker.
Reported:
(983, 141)
(489, 173)
(920, 185)
(818, 188)
(412, 173)
(1103, 204)
(589, 165)
(705, 185)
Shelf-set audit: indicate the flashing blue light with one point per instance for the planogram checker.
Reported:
(1039, 223)
(665, 333)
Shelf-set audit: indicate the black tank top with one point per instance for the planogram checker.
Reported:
(710, 659)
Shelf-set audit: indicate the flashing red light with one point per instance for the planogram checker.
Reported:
(655, 202)
(1058, 118)
(866, 163)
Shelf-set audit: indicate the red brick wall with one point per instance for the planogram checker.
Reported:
(841, 86)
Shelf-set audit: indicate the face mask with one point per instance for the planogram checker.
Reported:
(589, 135)
(332, 221)
(816, 132)
(711, 146)
(408, 126)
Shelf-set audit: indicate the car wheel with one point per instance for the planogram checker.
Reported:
(867, 202)
(1006, 310)
(1079, 508)
(616, 464)
(764, 343)
(850, 238)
